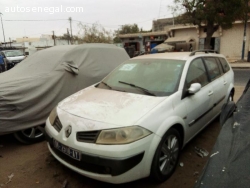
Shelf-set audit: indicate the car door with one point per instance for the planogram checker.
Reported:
(217, 82)
(199, 106)
(228, 75)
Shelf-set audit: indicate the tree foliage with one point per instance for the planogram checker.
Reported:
(126, 29)
(209, 14)
(129, 28)
(66, 36)
(94, 34)
(244, 14)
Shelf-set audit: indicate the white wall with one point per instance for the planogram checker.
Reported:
(188, 32)
(232, 39)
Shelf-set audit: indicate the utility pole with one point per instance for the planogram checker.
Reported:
(70, 21)
(244, 37)
(68, 35)
(10, 41)
(2, 28)
(54, 38)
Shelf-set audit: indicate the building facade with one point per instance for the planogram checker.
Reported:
(185, 37)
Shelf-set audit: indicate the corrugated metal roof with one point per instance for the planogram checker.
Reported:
(143, 34)
(179, 39)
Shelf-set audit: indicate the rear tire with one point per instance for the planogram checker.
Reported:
(30, 135)
(166, 156)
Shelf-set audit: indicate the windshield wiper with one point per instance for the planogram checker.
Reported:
(143, 89)
(107, 85)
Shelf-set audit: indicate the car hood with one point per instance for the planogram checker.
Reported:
(15, 58)
(109, 106)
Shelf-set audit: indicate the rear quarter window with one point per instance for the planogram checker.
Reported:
(224, 64)
(212, 67)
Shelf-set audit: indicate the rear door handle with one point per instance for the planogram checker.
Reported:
(225, 82)
(210, 93)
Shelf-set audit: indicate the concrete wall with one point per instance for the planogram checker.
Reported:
(186, 33)
(31, 47)
(47, 42)
(18, 40)
(232, 39)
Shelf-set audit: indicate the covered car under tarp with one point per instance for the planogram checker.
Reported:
(163, 47)
(229, 163)
(29, 91)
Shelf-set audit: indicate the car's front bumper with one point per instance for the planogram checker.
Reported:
(97, 164)
(109, 163)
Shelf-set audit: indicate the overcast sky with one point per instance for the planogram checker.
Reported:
(109, 13)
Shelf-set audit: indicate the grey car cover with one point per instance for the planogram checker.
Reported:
(229, 163)
(29, 91)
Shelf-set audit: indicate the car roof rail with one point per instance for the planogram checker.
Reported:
(205, 51)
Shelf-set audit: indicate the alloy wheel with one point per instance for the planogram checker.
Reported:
(33, 132)
(169, 154)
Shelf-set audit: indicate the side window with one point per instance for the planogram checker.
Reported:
(197, 73)
(224, 64)
(213, 68)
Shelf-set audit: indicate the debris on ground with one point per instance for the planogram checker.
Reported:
(215, 153)
(55, 175)
(196, 173)
(181, 164)
(1, 185)
(10, 178)
(201, 152)
(65, 183)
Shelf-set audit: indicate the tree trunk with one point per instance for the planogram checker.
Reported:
(210, 32)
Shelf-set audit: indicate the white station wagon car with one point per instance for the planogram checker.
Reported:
(134, 123)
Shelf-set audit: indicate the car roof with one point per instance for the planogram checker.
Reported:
(177, 55)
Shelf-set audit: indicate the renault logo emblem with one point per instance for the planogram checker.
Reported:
(68, 131)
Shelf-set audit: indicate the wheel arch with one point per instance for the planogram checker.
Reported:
(173, 122)
(231, 89)
(180, 129)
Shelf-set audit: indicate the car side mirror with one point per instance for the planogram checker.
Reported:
(194, 88)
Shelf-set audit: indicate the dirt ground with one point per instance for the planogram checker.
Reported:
(29, 166)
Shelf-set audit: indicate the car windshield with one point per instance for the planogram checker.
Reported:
(13, 53)
(157, 77)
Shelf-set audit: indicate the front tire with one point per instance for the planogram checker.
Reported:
(166, 156)
(31, 135)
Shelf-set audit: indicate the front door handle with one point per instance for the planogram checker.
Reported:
(225, 82)
(210, 93)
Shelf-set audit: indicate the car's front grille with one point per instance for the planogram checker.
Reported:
(88, 136)
(16, 61)
(57, 124)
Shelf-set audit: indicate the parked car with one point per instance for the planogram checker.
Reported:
(134, 123)
(12, 57)
(30, 90)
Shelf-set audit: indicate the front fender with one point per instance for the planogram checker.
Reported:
(168, 123)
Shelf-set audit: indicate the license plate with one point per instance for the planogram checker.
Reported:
(67, 150)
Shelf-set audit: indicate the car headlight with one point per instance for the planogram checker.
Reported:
(52, 116)
(122, 135)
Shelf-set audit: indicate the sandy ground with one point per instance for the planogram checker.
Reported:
(33, 166)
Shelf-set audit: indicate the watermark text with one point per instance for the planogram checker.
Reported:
(50, 10)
